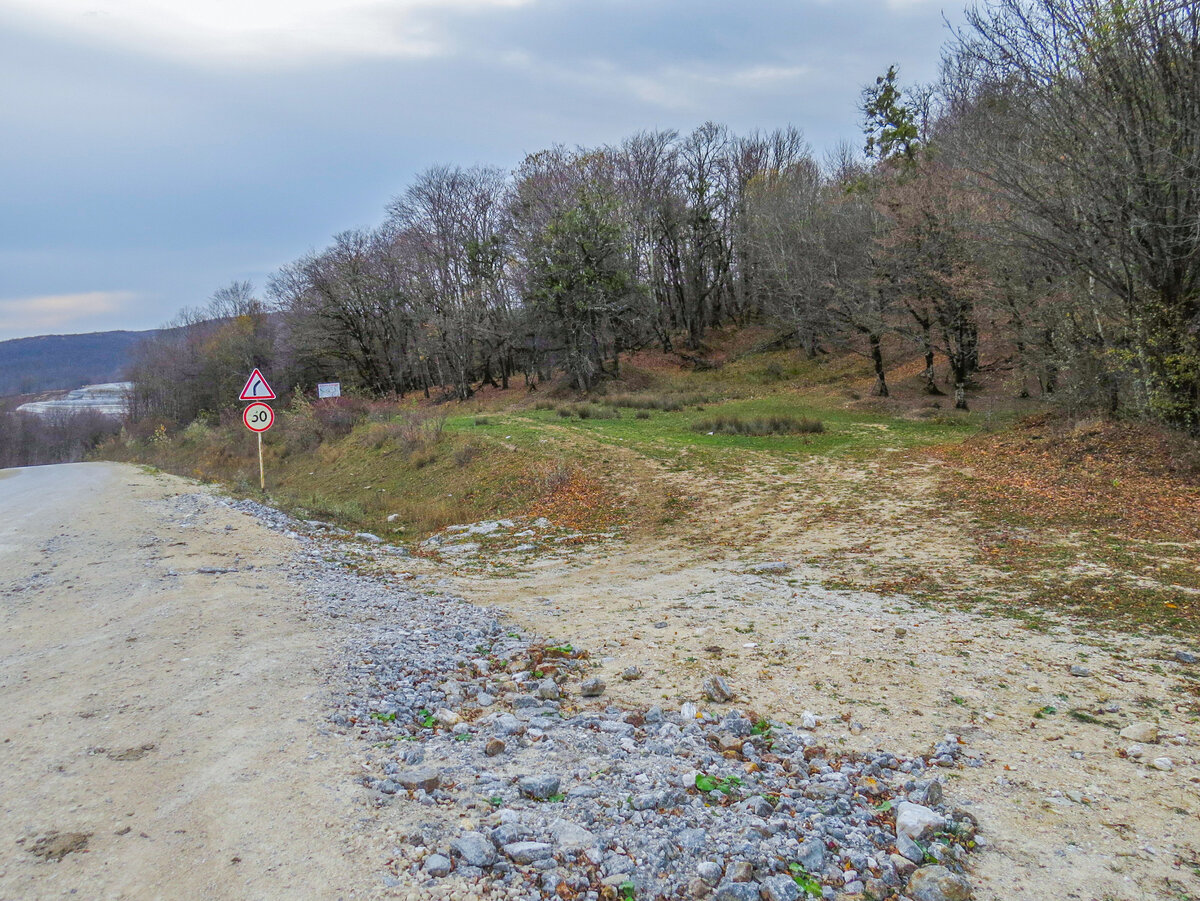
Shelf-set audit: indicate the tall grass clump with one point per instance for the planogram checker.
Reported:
(413, 432)
(666, 403)
(760, 426)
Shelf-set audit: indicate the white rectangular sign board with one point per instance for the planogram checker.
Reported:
(329, 389)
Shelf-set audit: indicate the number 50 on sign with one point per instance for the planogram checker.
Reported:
(258, 417)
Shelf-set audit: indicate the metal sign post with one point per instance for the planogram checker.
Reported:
(259, 417)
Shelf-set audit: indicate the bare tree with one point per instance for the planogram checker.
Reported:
(1085, 116)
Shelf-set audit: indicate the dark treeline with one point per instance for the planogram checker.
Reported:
(1037, 208)
(29, 440)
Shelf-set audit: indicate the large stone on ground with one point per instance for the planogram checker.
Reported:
(475, 849)
(539, 788)
(938, 884)
(571, 836)
(737, 891)
(811, 856)
(424, 779)
(780, 888)
(916, 821)
(1143, 732)
(528, 852)
(716, 689)
(437, 865)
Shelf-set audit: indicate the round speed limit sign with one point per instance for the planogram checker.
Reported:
(258, 417)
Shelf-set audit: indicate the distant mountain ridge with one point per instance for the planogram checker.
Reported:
(63, 362)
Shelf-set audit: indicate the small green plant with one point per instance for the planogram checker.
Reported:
(727, 785)
(924, 849)
(1043, 712)
(626, 891)
(960, 701)
(762, 727)
(426, 719)
(563, 649)
(496, 801)
(1084, 717)
(383, 717)
(556, 798)
(804, 880)
(884, 806)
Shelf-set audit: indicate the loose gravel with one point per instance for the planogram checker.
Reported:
(523, 784)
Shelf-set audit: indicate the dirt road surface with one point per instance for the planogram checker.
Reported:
(160, 725)
(1069, 808)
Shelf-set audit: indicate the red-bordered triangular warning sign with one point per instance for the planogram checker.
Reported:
(256, 388)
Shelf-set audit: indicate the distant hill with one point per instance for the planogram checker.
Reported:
(62, 362)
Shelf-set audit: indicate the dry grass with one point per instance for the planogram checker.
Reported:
(1135, 480)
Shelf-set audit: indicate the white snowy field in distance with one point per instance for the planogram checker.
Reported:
(109, 399)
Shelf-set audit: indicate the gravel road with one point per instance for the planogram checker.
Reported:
(161, 727)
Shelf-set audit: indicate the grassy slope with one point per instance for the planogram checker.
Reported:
(501, 455)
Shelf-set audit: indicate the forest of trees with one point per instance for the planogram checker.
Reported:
(1038, 206)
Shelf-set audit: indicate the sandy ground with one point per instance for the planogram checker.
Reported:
(1066, 816)
(164, 722)
(174, 718)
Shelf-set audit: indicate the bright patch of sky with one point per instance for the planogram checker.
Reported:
(155, 150)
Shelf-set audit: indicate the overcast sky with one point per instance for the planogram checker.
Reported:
(154, 150)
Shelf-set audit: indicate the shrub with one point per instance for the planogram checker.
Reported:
(413, 432)
(772, 372)
(769, 425)
(337, 416)
(465, 454)
(642, 414)
(481, 420)
(196, 431)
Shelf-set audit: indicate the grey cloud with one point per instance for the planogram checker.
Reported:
(168, 178)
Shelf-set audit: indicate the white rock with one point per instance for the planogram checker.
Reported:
(808, 720)
(1163, 763)
(917, 821)
(447, 718)
(571, 836)
(1141, 732)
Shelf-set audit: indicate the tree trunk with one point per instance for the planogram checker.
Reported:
(881, 387)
